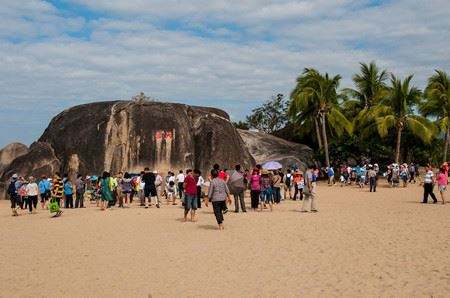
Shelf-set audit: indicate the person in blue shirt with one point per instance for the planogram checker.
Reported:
(330, 174)
(44, 190)
(68, 192)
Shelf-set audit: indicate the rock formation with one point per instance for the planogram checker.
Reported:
(130, 135)
(11, 152)
(264, 147)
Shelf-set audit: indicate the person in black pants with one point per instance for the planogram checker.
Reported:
(200, 181)
(428, 186)
(218, 194)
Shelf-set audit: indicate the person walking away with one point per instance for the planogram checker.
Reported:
(288, 182)
(190, 195)
(309, 191)
(44, 190)
(372, 174)
(23, 193)
(276, 187)
(149, 188)
(266, 190)
(68, 192)
(80, 188)
(159, 184)
(218, 194)
(412, 173)
(442, 180)
(180, 184)
(127, 189)
(255, 189)
(57, 192)
(106, 191)
(200, 182)
(330, 174)
(13, 195)
(236, 187)
(404, 174)
(296, 179)
(428, 184)
(32, 194)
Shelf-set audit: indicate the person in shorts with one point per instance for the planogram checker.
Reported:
(44, 190)
(442, 180)
(190, 195)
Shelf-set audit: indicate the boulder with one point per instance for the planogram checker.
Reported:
(265, 147)
(11, 152)
(130, 135)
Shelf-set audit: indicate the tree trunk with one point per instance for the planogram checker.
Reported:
(325, 140)
(399, 140)
(446, 143)
(319, 137)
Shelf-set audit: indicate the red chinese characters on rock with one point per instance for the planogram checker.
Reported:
(163, 134)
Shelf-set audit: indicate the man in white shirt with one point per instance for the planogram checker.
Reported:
(180, 184)
(32, 194)
(159, 188)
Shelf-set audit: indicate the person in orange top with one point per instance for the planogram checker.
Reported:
(297, 176)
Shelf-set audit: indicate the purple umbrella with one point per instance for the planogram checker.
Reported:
(272, 165)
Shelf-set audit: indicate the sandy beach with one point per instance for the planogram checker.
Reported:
(360, 244)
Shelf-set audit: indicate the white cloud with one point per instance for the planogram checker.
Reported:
(230, 54)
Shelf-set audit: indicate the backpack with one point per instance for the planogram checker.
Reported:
(288, 180)
(12, 188)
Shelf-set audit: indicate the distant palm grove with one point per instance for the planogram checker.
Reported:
(383, 119)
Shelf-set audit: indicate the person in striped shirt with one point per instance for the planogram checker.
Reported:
(57, 190)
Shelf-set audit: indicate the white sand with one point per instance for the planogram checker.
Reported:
(359, 244)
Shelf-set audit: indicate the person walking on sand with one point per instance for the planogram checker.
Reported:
(219, 195)
(276, 187)
(44, 190)
(442, 180)
(288, 182)
(330, 174)
(428, 184)
(127, 189)
(32, 194)
(57, 192)
(106, 191)
(237, 187)
(13, 195)
(266, 191)
(180, 184)
(190, 195)
(255, 189)
(149, 188)
(200, 182)
(372, 174)
(80, 188)
(309, 191)
(159, 184)
(68, 192)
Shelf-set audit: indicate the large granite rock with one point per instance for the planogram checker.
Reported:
(130, 135)
(11, 152)
(264, 147)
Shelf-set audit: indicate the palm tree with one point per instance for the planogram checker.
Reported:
(397, 111)
(370, 85)
(315, 99)
(437, 104)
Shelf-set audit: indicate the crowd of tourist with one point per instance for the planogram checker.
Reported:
(149, 188)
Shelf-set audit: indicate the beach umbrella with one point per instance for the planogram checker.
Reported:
(272, 165)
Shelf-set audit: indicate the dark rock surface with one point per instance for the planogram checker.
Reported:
(264, 147)
(130, 135)
(11, 152)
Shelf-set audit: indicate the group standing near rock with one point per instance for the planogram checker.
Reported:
(267, 188)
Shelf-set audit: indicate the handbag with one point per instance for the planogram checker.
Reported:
(53, 206)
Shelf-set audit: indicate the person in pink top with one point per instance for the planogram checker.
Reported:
(255, 187)
(442, 180)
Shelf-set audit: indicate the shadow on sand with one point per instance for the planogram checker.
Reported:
(208, 227)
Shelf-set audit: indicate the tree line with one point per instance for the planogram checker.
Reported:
(383, 118)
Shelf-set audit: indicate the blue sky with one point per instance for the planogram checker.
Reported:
(228, 54)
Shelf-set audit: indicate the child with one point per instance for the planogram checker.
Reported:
(442, 180)
(301, 186)
(342, 179)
